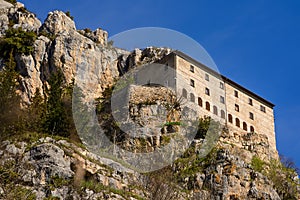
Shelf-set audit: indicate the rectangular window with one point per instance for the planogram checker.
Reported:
(237, 108)
(251, 115)
(221, 85)
(236, 94)
(263, 109)
(207, 77)
(192, 83)
(250, 102)
(207, 91)
(192, 68)
(222, 99)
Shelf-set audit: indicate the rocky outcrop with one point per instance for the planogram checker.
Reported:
(17, 16)
(50, 168)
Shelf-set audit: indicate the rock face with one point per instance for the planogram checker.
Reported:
(48, 168)
(60, 169)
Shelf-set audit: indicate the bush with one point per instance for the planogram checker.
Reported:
(257, 164)
(69, 15)
(11, 1)
(17, 41)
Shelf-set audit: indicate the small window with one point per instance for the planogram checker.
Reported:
(222, 99)
(221, 85)
(215, 110)
(184, 93)
(250, 102)
(192, 83)
(245, 128)
(192, 68)
(207, 91)
(237, 122)
(263, 109)
(251, 115)
(251, 129)
(237, 108)
(222, 114)
(207, 106)
(192, 96)
(230, 118)
(199, 101)
(236, 94)
(207, 77)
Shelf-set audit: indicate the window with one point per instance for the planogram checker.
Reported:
(207, 106)
(236, 94)
(250, 102)
(237, 122)
(207, 77)
(222, 99)
(221, 85)
(207, 91)
(263, 109)
(245, 128)
(192, 68)
(230, 118)
(215, 109)
(192, 83)
(222, 114)
(199, 101)
(251, 115)
(192, 96)
(237, 108)
(184, 93)
(251, 129)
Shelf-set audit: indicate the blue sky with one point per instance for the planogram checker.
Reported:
(255, 43)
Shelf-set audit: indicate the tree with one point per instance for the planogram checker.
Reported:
(17, 41)
(9, 99)
(55, 121)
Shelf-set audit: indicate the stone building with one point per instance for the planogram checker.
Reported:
(215, 95)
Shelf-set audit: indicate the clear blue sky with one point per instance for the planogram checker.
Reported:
(255, 43)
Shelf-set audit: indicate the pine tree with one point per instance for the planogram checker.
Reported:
(9, 99)
(55, 121)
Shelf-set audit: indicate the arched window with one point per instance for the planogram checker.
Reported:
(251, 129)
(230, 118)
(245, 128)
(192, 96)
(184, 93)
(215, 109)
(237, 122)
(200, 101)
(207, 106)
(222, 114)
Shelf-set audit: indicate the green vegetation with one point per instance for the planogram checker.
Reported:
(17, 41)
(11, 1)
(19, 192)
(282, 175)
(172, 123)
(206, 125)
(55, 119)
(69, 15)
(257, 164)
(98, 187)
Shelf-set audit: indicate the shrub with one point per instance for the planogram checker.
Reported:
(257, 164)
(17, 41)
(11, 1)
(69, 15)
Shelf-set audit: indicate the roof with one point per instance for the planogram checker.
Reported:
(225, 79)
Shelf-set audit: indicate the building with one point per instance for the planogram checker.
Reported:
(221, 98)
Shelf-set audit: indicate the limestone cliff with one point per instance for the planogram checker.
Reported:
(49, 167)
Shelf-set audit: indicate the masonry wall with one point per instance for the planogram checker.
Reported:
(262, 122)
